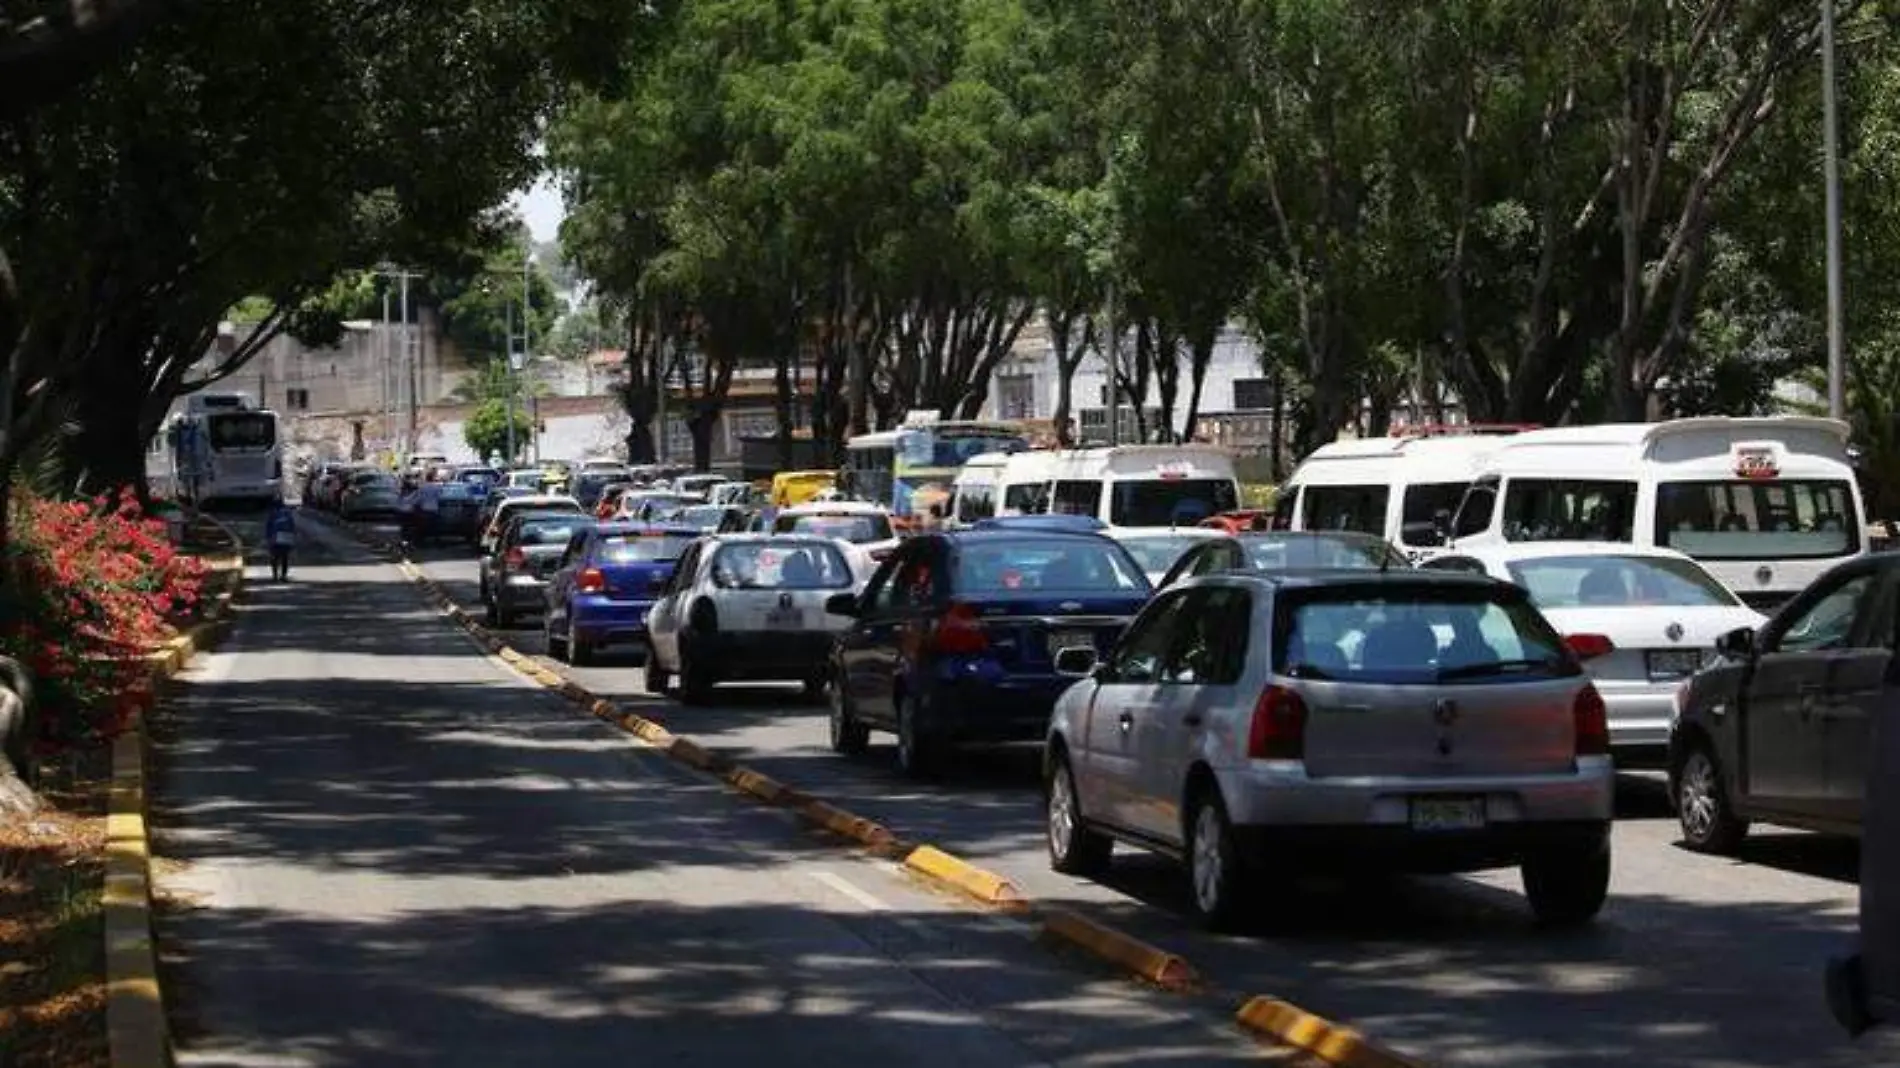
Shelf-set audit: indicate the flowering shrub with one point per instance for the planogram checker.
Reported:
(90, 587)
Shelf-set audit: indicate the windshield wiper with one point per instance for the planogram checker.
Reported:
(1495, 667)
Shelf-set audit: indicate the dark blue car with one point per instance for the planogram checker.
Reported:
(954, 638)
(606, 581)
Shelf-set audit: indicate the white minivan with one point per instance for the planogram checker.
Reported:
(1766, 504)
(976, 492)
(1403, 488)
(1132, 486)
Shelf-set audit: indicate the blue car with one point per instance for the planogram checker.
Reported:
(606, 581)
(954, 638)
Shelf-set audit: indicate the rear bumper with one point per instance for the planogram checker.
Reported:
(1280, 793)
(605, 621)
(971, 705)
(762, 655)
(522, 593)
(1401, 849)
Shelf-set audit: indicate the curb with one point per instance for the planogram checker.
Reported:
(1265, 1018)
(137, 1032)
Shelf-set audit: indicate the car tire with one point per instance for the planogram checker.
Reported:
(579, 652)
(696, 681)
(916, 751)
(1703, 809)
(1074, 847)
(656, 676)
(816, 686)
(1217, 874)
(558, 648)
(849, 736)
(1567, 886)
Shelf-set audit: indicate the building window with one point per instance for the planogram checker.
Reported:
(679, 441)
(1253, 394)
(297, 400)
(752, 424)
(1016, 397)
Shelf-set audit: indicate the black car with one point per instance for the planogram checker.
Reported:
(439, 511)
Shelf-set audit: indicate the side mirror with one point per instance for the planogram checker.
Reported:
(1737, 644)
(1423, 532)
(1076, 660)
(939, 510)
(1102, 673)
(842, 604)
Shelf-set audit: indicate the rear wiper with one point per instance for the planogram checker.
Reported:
(1308, 671)
(1495, 667)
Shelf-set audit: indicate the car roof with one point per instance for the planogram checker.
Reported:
(835, 508)
(975, 536)
(1141, 533)
(1320, 578)
(1496, 552)
(749, 537)
(539, 499)
(623, 526)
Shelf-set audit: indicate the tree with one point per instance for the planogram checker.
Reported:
(486, 430)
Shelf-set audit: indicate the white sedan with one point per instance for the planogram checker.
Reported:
(749, 607)
(867, 526)
(1157, 550)
(1642, 620)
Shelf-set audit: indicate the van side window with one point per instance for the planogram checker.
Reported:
(1474, 514)
(1563, 509)
(1429, 502)
(1360, 508)
(975, 501)
(1076, 498)
(1027, 498)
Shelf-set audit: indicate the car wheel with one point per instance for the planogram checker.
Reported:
(1567, 887)
(816, 684)
(656, 675)
(558, 648)
(848, 736)
(1845, 984)
(1216, 873)
(579, 653)
(916, 752)
(1709, 824)
(1074, 848)
(696, 681)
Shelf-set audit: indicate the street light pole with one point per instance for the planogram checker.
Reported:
(409, 362)
(509, 367)
(387, 378)
(527, 305)
(1836, 344)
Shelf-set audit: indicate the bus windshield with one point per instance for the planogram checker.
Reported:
(951, 448)
(1739, 519)
(242, 430)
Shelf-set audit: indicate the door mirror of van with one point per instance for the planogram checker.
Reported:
(1737, 644)
(1422, 532)
(1075, 660)
(842, 604)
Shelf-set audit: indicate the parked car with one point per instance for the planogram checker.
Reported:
(1779, 730)
(526, 502)
(868, 526)
(643, 506)
(1260, 727)
(479, 479)
(706, 518)
(955, 637)
(607, 580)
(490, 504)
(514, 574)
(748, 607)
(1158, 550)
(439, 510)
(1641, 620)
(370, 494)
(1287, 551)
(591, 484)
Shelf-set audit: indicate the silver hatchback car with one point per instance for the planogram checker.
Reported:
(1262, 726)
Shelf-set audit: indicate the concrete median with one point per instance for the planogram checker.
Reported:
(1290, 1025)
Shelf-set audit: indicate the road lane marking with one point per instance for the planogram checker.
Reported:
(855, 893)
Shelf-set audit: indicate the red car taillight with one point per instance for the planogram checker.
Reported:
(960, 632)
(1589, 646)
(1592, 721)
(1278, 730)
(514, 559)
(591, 581)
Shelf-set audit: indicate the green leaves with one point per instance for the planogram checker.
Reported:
(486, 430)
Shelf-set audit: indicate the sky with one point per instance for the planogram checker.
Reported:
(541, 206)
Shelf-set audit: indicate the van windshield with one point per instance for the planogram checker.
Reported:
(1738, 519)
(1170, 502)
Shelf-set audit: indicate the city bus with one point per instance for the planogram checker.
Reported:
(225, 449)
(894, 467)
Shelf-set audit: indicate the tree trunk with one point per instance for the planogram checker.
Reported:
(1200, 356)
(782, 367)
(701, 424)
(1068, 357)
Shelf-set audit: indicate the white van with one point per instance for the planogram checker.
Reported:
(1127, 485)
(975, 492)
(1404, 488)
(1766, 504)
(1023, 486)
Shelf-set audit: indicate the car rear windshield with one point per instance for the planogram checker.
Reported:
(854, 528)
(546, 531)
(1618, 581)
(1068, 565)
(704, 515)
(804, 565)
(1296, 551)
(643, 548)
(1409, 635)
(483, 477)
(1159, 554)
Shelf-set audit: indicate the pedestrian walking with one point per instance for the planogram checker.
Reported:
(280, 531)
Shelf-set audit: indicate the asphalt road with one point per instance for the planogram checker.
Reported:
(394, 851)
(1697, 961)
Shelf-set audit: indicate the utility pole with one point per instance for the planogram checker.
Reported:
(527, 341)
(386, 377)
(509, 376)
(409, 362)
(1836, 344)
(659, 401)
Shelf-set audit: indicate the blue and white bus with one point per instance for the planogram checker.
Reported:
(225, 449)
(895, 467)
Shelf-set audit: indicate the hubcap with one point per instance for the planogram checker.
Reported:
(1698, 798)
(1061, 813)
(1208, 876)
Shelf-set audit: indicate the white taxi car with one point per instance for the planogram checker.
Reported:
(749, 607)
(867, 526)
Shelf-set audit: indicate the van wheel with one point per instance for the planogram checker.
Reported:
(1217, 874)
(1709, 824)
(1074, 847)
(1567, 885)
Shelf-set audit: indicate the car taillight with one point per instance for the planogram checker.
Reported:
(1592, 721)
(880, 555)
(514, 559)
(1589, 646)
(591, 581)
(960, 632)
(1278, 730)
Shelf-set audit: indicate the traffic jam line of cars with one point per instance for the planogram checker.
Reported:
(1268, 1017)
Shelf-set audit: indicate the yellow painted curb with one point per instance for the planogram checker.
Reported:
(136, 1032)
(845, 825)
(751, 782)
(1157, 966)
(987, 887)
(693, 754)
(1293, 1026)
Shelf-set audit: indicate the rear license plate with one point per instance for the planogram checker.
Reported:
(1673, 663)
(1447, 813)
(785, 619)
(1070, 639)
